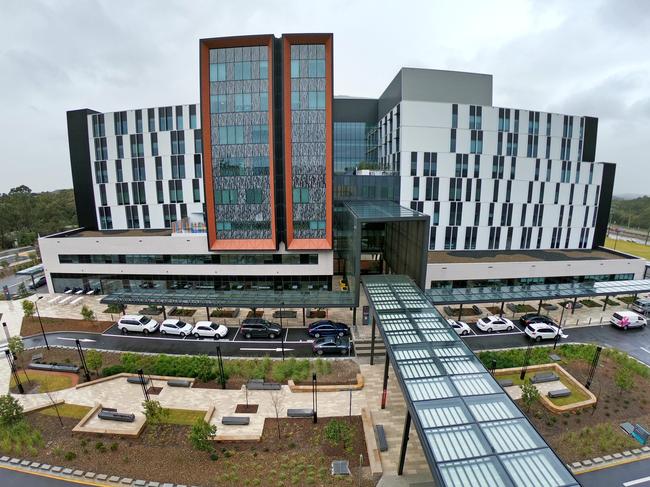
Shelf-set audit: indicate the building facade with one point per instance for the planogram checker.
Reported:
(241, 191)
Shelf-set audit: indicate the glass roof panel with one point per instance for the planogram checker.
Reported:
(536, 468)
(512, 436)
(456, 442)
(445, 412)
(431, 388)
(475, 384)
(493, 407)
(474, 472)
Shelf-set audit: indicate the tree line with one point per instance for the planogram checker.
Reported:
(25, 215)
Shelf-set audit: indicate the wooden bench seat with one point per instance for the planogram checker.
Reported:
(179, 383)
(380, 434)
(559, 393)
(544, 377)
(236, 420)
(300, 413)
(137, 380)
(505, 382)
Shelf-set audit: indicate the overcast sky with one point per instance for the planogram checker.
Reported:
(580, 57)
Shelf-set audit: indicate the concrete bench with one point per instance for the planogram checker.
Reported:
(37, 357)
(179, 383)
(382, 444)
(54, 367)
(137, 380)
(300, 413)
(559, 393)
(477, 310)
(110, 414)
(505, 382)
(236, 420)
(260, 385)
(544, 377)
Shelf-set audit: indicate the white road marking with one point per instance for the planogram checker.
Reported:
(76, 300)
(142, 337)
(636, 482)
(645, 350)
(265, 349)
(73, 339)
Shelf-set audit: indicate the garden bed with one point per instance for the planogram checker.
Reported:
(183, 312)
(610, 302)
(39, 381)
(301, 456)
(225, 313)
(255, 314)
(626, 299)
(521, 308)
(464, 312)
(494, 310)
(590, 303)
(31, 326)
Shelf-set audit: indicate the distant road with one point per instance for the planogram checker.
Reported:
(10, 478)
(635, 474)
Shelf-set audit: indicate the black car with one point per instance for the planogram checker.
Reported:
(529, 318)
(259, 328)
(331, 344)
(323, 328)
(38, 282)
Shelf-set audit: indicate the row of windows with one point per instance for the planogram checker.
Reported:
(309, 68)
(238, 134)
(177, 142)
(240, 166)
(166, 121)
(308, 100)
(524, 281)
(239, 102)
(185, 259)
(241, 70)
(253, 196)
(243, 226)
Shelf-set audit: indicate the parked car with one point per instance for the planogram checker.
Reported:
(321, 328)
(460, 327)
(137, 323)
(641, 306)
(535, 318)
(209, 330)
(628, 319)
(331, 344)
(259, 328)
(495, 323)
(38, 282)
(175, 327)
(543, 331)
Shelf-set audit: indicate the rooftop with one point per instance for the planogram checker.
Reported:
(80, 233)
(482, 256)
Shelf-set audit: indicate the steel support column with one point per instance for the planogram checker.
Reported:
(372, 342)
(405, 441)
(573, 307)
(539, 307)
(460, 312)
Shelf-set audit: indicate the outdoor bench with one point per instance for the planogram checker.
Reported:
(111, 415)
(236, 420)
(476, 310)
(37, 357)
(171, 310)
(137, 380)
(559, 393)
(300, 413)
(505, 382)
(544, 377)
(179, 383)
(284, 314)
(382, 444)
(260, 385)
(54, 367)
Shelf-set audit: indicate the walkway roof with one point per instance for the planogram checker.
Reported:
(31, 271)
(535, 291)
(471, 432)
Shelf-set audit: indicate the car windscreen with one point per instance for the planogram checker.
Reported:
(214, 326)
(618, 316)
(144, 320)
(181, 324)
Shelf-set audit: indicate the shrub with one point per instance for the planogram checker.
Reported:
(214, 457)
(201, 434)
(529, 394)
(154, 412)
(114, 446)
(297, 370)
(28, 308)
(112, 370)
(87, 313)
(623, 379)
(70, 455)
(11, 412)
(94, 360)
(337, 431)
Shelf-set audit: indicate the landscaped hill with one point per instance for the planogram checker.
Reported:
(633, 213)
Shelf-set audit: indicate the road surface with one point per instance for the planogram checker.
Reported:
(634, 474)
(10, 478)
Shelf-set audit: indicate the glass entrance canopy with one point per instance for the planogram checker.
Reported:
(471, 432)
(535, 291)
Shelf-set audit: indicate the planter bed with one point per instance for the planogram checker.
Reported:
(225, 313)
(31, 325)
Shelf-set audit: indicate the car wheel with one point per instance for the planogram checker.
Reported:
(319, 352)
(509, 328)
(343, 352)
(163, 332)
(538, 339)
(316, 335)
(146, 332)
(197, 336)
(489, 330)
(341, 334)
(124, 331)
(271, 336)
(182, 334)
(247, 335)
(465, 332)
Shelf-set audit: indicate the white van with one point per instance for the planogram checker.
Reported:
(641, 306)
(628, 319)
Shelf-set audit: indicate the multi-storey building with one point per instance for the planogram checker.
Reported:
(267, 182)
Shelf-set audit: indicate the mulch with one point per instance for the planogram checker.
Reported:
(246, 408)
(31, 326)
(164, 454)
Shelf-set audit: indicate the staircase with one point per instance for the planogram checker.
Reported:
(362, 349)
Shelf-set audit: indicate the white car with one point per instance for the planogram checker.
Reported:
(628, 319)
(495, 323)
(137, 323)
(175, 327)
(209, 330)
(543, 331)
(460, 327)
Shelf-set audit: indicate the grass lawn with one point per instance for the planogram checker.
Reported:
(46, 382)
(516, 381)
(590, 303)
(577, 395)
(593, 440)
(626, 299)
(610, 302)
(67, 411)
(633, 248)
(183, 416)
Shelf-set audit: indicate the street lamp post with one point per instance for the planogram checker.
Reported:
(281, 331)
(12, 366)
(41, 321)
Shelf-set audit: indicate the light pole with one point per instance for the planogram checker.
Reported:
(41, 321)
(12, 366)
(82, 358)
(559, 330)
(282, 331)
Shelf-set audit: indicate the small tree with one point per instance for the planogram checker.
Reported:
(22, 290)
(29, 308)
(276, 401)
(87, 313)
(10, 410)
(529, 394)
(154, 412)
(4, 264)
(201, 434)
(94, 361)
(623, 379)
(16, 345)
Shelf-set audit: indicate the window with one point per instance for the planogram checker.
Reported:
(105, 220)
(451, 236)
(138, 121)
(98, 125)
(523, 215)
(118, 171)
(452, 141)
(591, 173)
(414, 163)
(468, 190)
(254, 196)
(541, 193)
(218, 72)
(102, 194)
(178, 167)
(183, 210)
(198, 166)
(122, 191)
(175, 191)
(455, 189)
(165, 119)
(169, 215)
(432, 238)
(178, 142)
(513, 167)
(139, 195)
(154, 144)
(500, 143)
(179, 118)
(477, 214)
(435, 218)
(478, 190)
(151, 117)
(557, 193)
(470, 238)
(159, 192)
(121, 126)
(101, 152)
(432, 185)
(455, 213)
(101, 174)
(192, 116)
(516, 120)
(416, 188)
(120, 147)
(571, 192)
(430, 163)
(198, 145)
(196, 191)
(477, 165)
(548, 126)
(159, 168)
(145, 216)
(132, 217)
(300, 195)
(137, 169)
(454, 115)
(537, 163)
(491, 215)
(549, 167)
(476, 142)
(226, 197)
(475, 114)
